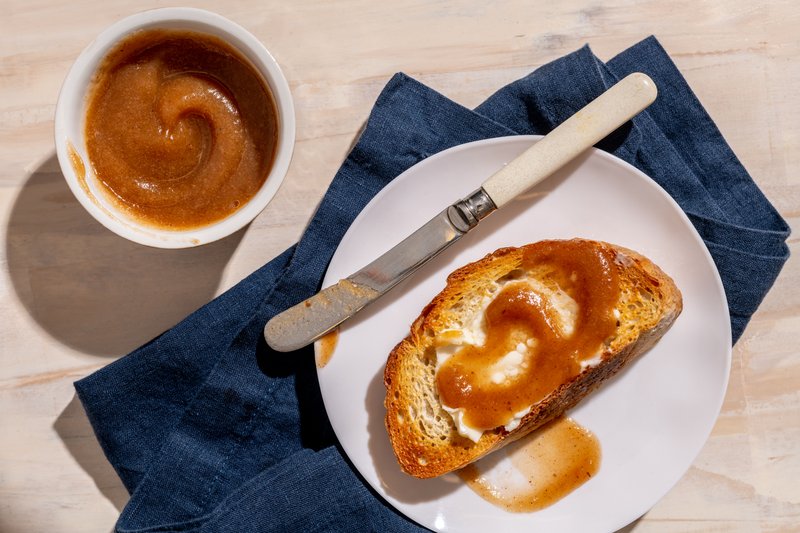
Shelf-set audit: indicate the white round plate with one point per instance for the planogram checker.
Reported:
(651, 420)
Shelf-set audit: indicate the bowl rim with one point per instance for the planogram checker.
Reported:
(73, 94)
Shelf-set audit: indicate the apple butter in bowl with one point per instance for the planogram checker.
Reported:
(180, 130)
(175, 127)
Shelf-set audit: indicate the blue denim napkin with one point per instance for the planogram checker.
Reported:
(212, 432)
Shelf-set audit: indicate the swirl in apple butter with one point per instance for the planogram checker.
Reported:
(180, 129)
(520, 315)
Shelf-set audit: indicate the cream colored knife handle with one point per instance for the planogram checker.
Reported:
(582, 130)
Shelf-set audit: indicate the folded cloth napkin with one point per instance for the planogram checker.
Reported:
(212, 432)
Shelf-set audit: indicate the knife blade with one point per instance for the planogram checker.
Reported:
(309, 320)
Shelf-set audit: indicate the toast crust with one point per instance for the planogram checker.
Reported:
(424, 437)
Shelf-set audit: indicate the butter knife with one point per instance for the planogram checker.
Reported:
(309, 320)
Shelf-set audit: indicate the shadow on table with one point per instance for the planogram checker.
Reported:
(630, 527)
(75, 431)
(91, 289)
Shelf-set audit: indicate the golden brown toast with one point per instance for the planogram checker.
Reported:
(645, 301)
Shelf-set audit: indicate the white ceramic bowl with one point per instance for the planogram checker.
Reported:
(71, 112)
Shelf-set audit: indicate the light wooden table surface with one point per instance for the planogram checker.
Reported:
(74, 296)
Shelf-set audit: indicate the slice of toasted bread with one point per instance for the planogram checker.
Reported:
(425, 438)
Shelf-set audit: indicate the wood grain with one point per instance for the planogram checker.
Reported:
(74, 296)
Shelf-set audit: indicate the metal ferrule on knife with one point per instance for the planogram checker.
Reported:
(466, 213)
